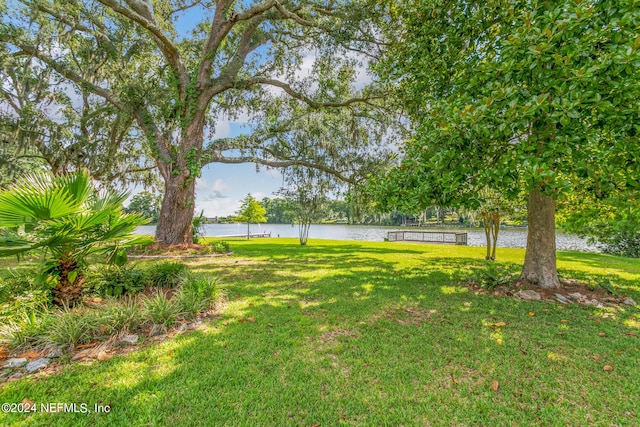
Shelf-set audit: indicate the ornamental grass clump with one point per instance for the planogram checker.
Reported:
(168, 275)
(160, 310)
(196, 296)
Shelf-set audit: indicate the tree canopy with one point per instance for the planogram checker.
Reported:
(251, 211)
(177, 85)
(537, 96)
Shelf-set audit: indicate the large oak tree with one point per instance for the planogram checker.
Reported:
(47, 122)
(176, 85)
(533, 95)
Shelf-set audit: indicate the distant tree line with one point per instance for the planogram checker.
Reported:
(339, 211)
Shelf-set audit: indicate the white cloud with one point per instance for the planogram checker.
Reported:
(217, 207)
(223, 129)
(208, 192)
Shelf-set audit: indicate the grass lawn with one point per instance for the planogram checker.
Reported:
(364, 333)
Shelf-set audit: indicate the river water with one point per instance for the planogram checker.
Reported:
(508, 237)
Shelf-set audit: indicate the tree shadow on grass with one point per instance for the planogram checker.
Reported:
(601, 261)
(359, 340)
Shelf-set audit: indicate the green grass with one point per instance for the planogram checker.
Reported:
(363, 333)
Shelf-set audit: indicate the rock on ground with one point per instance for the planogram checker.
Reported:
(36, 365)
(529, 295)
(15, 363)
(129, 339)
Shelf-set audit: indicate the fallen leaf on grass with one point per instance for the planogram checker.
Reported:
(499, 324)
(270, 325)
(602, 334)
(531, 313)
(631, 334)
(607, 368)
(499, 341)
(494, 385)
(102, 356)
(225, 323)
(31, 354)
(596, 357)
(316, 425)
(619, 351)
(251, 319)
(82, 346)
(564, 321)
(27, 404)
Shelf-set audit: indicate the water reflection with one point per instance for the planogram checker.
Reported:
(508, 238)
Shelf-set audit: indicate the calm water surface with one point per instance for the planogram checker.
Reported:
(508, 238)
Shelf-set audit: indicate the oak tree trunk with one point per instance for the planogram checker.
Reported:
(540, 258)
(176, 213)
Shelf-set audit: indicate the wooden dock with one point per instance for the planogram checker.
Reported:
(253, 235)
(442, 237)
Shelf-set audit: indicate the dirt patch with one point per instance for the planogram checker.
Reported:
(409, 315)
(331, 336)
(405, 316)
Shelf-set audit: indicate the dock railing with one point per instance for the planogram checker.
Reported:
(445, 237)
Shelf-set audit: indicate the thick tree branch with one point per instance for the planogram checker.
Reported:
(293, 16)
(143, 16)
(302, 97)
(228, 75)
(284, 164)
(214, 154)
(220, 28)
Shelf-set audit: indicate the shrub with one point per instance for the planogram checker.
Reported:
(160, 310)
(196, 296)
(493, 277)
(197, 227)
(19, 295)
(118, 281)
(624, 242)
(25, 330)
(168, 275)
(220, 246)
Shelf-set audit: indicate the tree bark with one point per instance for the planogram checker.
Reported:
(540, 258)
(495, 217)
(176, 213)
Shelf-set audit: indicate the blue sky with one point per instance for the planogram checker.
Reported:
(221, 186)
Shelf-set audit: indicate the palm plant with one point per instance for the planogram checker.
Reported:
(67, 220)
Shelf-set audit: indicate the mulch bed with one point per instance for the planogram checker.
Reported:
(568, 287)
(157, 250)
